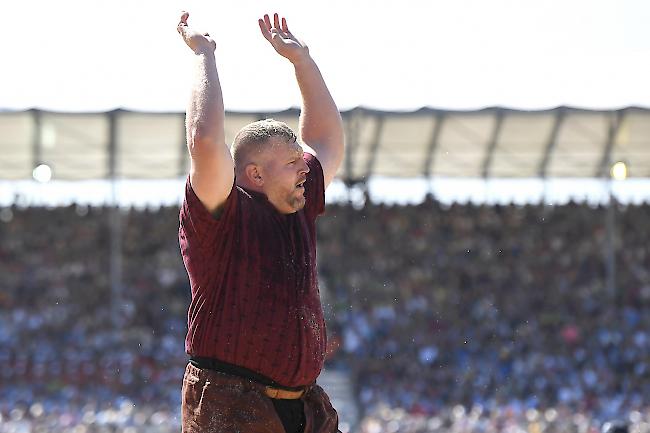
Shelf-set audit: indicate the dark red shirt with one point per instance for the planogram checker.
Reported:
(255, 299)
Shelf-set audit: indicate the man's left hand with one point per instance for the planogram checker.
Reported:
(282, 40)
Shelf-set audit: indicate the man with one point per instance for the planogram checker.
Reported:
(256, 336)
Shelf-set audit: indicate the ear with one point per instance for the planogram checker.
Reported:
(254, 174)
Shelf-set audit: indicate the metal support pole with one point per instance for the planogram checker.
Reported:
(550, 147)
(115, 227)
(438, 121)
(116, 256)
(610, 219)
(351, 144)
(610, 246)
(37, 139)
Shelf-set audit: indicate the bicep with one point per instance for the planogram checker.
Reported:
(212, 175)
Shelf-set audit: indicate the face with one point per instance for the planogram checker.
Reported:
(284, 172)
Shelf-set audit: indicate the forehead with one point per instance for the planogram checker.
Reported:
(280, 146)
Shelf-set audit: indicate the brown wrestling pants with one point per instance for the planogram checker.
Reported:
(215, 402)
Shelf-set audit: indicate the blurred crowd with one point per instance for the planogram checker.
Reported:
(73, 351)
(492, 307)
(461, 318)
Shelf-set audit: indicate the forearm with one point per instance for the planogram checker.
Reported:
(205, 112)
(321, 127)
(320, 121)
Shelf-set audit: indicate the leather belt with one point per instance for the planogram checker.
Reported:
(271, 388)
(283, 394)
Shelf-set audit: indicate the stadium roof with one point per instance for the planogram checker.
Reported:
(492, 142)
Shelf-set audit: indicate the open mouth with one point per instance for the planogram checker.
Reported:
(300, 184)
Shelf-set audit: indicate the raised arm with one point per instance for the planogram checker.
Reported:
(320, 122)
(212, 167)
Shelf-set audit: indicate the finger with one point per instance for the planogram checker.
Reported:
(276, 21)
(267, 21)
(181, 29)
(285, 28)
(265, 30)
(182, 23)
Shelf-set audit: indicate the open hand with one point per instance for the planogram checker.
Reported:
(284, 42)
(198, 42)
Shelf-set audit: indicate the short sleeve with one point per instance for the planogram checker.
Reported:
(314, 187)
(197, 225)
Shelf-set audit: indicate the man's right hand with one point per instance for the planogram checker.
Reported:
(200, 43)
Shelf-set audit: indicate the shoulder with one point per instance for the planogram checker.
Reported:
(314, 186)
(194, 211)
(314, 164)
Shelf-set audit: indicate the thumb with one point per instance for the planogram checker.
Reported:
(276, 37)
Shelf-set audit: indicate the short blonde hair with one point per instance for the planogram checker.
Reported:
(254, 137)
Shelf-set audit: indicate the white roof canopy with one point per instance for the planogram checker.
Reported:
(493, 142)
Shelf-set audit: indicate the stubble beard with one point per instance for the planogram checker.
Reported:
(297, 202)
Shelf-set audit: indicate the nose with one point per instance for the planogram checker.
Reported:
(305, 167)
